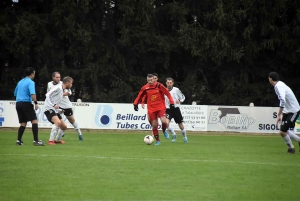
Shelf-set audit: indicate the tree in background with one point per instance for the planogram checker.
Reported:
(219, 52)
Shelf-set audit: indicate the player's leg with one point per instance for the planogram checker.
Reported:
(35, 132)
(58, 137)
(57, 128)
(283, 132)
(53, 133)
(292, 120)
(169, 116)
(183, 131)
(179, 120)
(61, 130)
(22, 121)
(50, 114)
(151, 125)
(174, 136)
(154, 123)
(31, 116)
(162, 115)
(20, 133)
(74, 123)
(55, 119)
(293, 136)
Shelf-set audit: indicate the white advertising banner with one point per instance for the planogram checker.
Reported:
(242, 119)
(2, 118)
(297, 126)
(194, 116)
(107, 116)
(123, 116)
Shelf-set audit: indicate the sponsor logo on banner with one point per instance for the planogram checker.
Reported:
(199, 128)
(103, 116)
(122, 121)
(106, 117)
(230, 118)
(1, 113)
(194, 117)
(81, 104)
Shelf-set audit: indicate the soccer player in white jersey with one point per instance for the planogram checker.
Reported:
(65, 104)
(288, 109)
(175, 113)
(52, 109)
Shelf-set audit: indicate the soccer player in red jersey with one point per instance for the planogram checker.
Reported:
(144, 101)
(154, 92)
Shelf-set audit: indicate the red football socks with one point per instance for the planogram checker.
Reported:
(164, 127)
(155, 133)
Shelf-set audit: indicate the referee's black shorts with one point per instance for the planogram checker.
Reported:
(25, 112)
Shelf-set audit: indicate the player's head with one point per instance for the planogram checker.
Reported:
(56, 77)
(30, 72)
(68, 82)
(155, 76)
(150, 79)
(273, 78)
(169, 82)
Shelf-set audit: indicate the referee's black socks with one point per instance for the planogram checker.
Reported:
(20, 132)
(35, 131)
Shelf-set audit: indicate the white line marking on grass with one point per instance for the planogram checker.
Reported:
(156, 159)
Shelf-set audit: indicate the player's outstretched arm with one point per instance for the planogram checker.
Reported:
(139, 96)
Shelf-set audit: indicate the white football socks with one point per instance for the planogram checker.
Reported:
(288, 141)
(293, 136)
(183, 131)
(53, 132)
(59, 135)
(75, 124)
(171, 130)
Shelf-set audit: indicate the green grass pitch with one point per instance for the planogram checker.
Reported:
(115, 165)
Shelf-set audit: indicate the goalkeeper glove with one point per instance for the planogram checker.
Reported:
(136, 107)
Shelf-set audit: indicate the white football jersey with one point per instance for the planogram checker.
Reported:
(53, 97)
(176, 95)
(65, 102)
(287, 98)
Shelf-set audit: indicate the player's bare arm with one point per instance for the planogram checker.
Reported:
(279, 116)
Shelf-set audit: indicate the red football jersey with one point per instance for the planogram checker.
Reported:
(155, 96)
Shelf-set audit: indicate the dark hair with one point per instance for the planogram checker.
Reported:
(67, 79)
(274, 76)
(54, 73)
(150, 75)
(169, 78)
(155, 74)
(28, 71)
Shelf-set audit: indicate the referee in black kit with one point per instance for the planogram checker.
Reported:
(25, 94)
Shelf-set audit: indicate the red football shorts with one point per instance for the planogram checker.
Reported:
(154, 115)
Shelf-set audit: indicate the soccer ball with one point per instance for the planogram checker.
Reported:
(148, 139)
